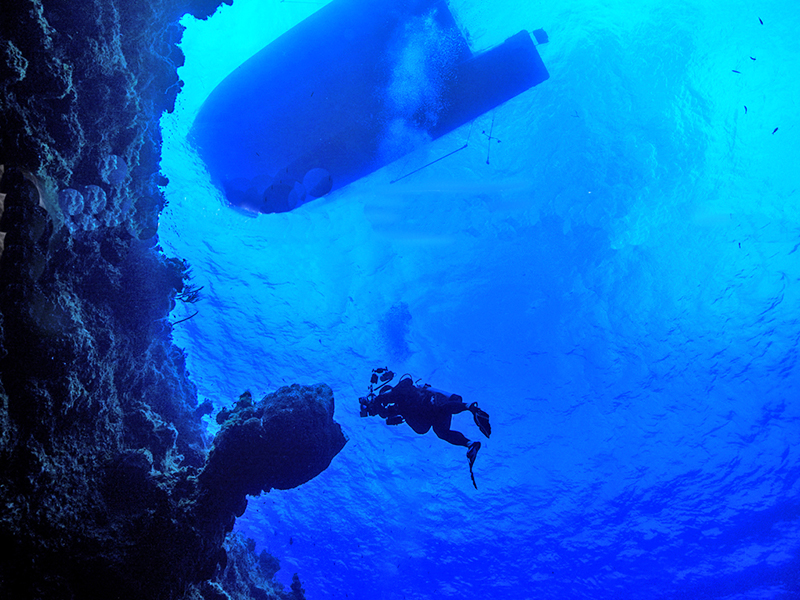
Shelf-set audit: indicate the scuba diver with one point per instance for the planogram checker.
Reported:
(422, 407)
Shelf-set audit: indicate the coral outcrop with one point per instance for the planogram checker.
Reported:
(104, 480)
(286, 439)
(248, 576)
(107, 485)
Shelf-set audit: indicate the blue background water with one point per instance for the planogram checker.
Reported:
(619, 288)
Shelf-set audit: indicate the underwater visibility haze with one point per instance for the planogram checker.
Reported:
(607, 262)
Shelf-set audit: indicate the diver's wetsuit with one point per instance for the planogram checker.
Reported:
(423, 408)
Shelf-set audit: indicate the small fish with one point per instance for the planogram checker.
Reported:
(752, 58)
(760, 21)
(774, 130)
(312, 93)
(745, 109)
(735, 71)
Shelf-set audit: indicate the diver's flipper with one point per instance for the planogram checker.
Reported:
(481, 419)
(471, 454)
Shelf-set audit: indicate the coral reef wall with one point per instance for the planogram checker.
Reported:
(101, 441)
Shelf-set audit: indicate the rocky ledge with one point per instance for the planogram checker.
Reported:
(107, 485)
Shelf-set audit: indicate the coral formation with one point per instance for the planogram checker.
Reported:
(247, 575)
(289, 437)
(104, 483)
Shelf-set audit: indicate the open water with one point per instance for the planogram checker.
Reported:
(619, 288)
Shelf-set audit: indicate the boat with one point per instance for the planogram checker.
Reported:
(350, 89)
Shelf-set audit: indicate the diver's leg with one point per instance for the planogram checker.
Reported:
(442, 429)
(453, 405)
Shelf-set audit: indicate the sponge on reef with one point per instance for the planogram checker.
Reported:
(283, 441)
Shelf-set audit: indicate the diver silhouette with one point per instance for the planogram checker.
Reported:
(423, 408)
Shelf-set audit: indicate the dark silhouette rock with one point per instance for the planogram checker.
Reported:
(101, 439)
(286, 439)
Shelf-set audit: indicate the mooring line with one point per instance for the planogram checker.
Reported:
(429, 164)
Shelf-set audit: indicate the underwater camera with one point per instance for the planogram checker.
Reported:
(366, 406)
(369, 404)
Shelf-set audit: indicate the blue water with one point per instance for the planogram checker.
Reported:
(619, 288)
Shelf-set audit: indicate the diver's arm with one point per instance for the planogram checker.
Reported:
(388, 410)
(391, 413)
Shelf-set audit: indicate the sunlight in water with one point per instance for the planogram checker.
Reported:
(609, 267)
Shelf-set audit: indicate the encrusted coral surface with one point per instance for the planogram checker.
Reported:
(101, 441)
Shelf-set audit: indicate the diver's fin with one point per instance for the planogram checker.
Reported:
(472, 453)
(481, 419)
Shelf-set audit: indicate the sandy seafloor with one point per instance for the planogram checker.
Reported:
(619, 288)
